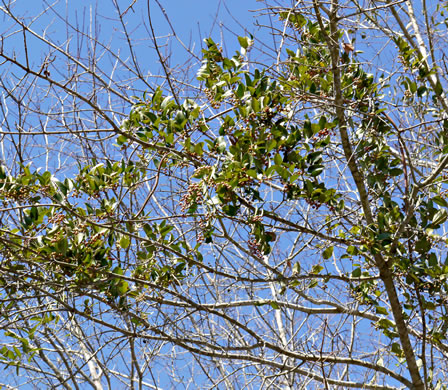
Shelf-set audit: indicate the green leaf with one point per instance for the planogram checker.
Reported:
(252, 173)
(62, 246)
(271, 145)
(438, 89)
(396, 349)
(384, 236)
(322, 122)
(34, 213)
(230, 210)
(121, 140)
(245, 42)
(278, 160)
(122, 287)
(315, 170)
(166, 102)
(356, 273)
(381, 310)
(440, 217)
(240, 91)
(296, 268)
(440, 201)
(395, 172)
(118, 270)
(198, 148)
(164, 230)
(352, 250)
(62, 187)
(421, 91)
(124, 242)
(327, 253)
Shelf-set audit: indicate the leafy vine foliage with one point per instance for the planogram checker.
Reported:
(294, 185)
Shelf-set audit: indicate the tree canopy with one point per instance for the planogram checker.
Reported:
(270, 217)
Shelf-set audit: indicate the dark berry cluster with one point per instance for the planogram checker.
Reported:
(254, 248)
(57, 219)
(192, 196)
(211, 98)
(314, 204)
(322, 134)
(16, 194)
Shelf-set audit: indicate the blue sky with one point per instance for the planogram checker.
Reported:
(192, 21)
